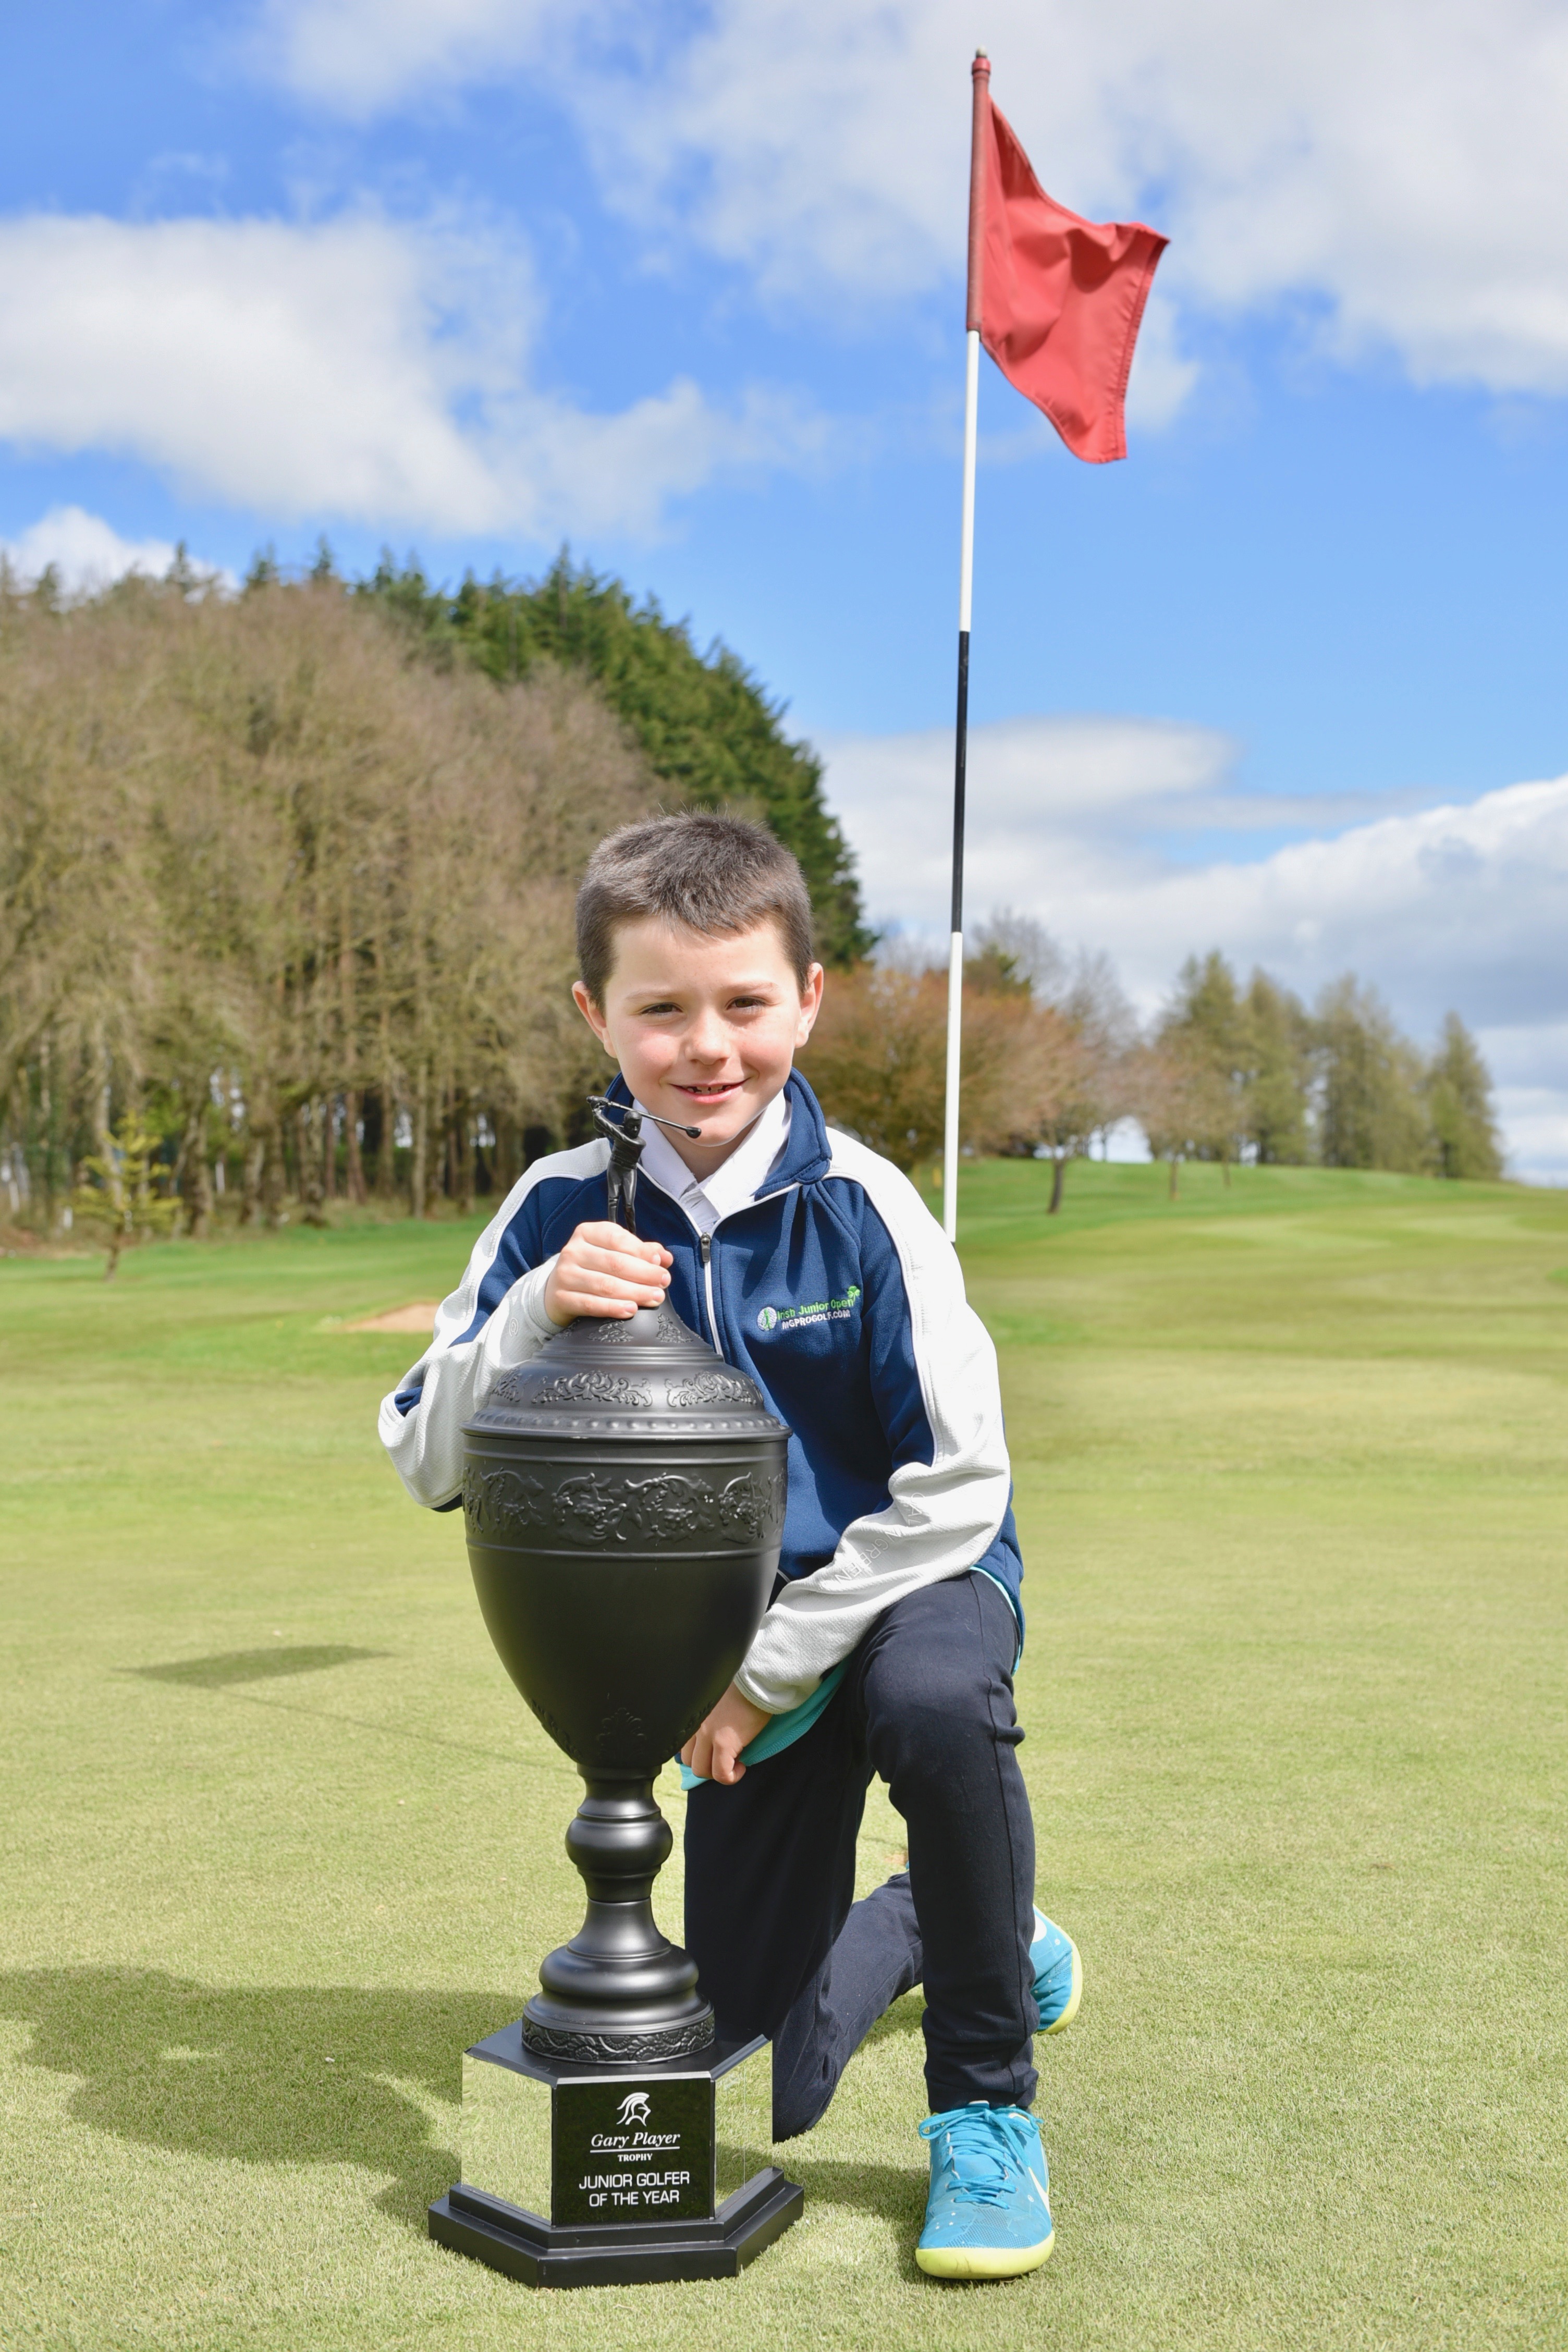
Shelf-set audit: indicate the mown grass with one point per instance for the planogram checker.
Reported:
(278, 1839)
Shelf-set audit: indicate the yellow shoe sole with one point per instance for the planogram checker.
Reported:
(984, 2262)
(1074, 1998)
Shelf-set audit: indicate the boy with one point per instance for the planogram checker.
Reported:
(890, 1647)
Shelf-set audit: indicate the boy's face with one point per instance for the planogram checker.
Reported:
(705, 1029)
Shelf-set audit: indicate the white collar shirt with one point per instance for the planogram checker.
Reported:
(731, 1185)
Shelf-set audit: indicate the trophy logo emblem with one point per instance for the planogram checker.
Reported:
(634, 2108)
(768, 1318)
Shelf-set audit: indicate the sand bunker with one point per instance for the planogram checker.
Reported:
(420, 1317)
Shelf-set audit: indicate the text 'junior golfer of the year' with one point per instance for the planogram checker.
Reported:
(643, 2187)
(620, 2154)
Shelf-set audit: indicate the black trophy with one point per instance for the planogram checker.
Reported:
(624, 1498)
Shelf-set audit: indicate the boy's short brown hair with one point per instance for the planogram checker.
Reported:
(714, 875)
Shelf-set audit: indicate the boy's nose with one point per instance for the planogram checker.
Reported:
(706, 1041)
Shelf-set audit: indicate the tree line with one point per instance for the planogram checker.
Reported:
(1054, 1060)
(1237, 1072)
(290, 895)
(285, 885)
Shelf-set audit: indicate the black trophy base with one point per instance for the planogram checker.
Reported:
(633, 2175)
(626, 2254)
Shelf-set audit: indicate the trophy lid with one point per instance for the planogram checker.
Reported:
(648, 1375)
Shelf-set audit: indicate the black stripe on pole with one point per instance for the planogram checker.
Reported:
(960, 762)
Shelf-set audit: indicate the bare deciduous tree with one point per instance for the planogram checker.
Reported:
(274, 883)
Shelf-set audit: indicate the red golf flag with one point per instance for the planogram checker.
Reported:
(1057, 300)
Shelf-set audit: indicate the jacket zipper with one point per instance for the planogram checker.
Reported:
(705, 1247)
(705, 1242)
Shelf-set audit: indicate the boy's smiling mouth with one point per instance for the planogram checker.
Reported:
(710, 1091)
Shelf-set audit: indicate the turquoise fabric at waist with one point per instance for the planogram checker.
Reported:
(784, 1730)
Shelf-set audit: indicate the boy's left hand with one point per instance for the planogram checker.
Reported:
(713, 1750)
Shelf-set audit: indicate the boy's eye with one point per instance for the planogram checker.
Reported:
(663, 1005)
(748, 1004)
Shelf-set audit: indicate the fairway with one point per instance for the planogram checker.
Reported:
(1292, 1482)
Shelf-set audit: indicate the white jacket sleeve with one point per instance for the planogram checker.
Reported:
(454, 1378)
(941, 1516)
(455, 1374)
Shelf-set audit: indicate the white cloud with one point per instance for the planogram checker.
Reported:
(1401, 164)
(85, 552)
(1534, 1120)
(1161, 379)
(1530, 1064)
(1031, 773)
(355, 367)
(361, 55)
(1448, 907)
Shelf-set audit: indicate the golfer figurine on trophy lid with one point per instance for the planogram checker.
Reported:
(624, 1496)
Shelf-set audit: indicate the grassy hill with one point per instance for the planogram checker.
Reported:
(1291, 1471)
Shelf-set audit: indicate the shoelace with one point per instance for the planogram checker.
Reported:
(984, 2162)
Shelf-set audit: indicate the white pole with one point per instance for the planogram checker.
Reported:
(961, 755)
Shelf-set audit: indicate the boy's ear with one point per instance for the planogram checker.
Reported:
(810, 1005)
(593, 1015)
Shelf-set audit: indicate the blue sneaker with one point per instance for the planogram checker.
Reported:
(1058, 1974)
(988, 2215)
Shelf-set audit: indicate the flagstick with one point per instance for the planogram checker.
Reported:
(979, 129)
(960, 760)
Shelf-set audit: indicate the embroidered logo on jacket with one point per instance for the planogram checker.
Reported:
(816, 1310)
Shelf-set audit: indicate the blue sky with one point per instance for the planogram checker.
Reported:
(682, 285)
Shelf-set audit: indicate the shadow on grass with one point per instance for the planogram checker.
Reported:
(229, 1670)
(254, 1665)
(904, 2017)
(244, 2076)
(894, 2193)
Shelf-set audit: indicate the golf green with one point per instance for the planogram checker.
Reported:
(278, 1838)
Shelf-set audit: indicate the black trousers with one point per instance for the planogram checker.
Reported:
(781, 1946)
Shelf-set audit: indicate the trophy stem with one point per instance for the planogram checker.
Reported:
(619, 1991)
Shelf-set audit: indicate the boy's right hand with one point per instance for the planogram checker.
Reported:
(605, 1270)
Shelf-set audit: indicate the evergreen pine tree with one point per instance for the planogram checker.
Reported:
(1278, 1087)
(1207, 1020)
(1372, 1111)
(1460, 1105)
